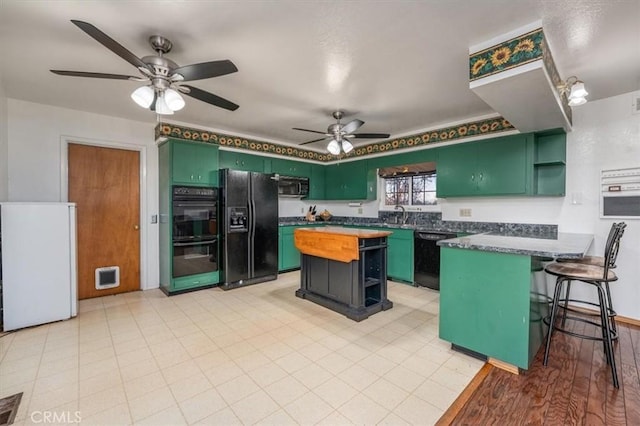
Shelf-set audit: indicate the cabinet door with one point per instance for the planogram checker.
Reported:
(241, 161)
(502, 166)
(290, 254)
(456, 169)
(195, 163)
(347, 181)
(400, 255)
(316, 182)
(290, 168)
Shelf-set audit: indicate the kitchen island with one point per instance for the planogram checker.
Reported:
(344, 269)
(493, 293)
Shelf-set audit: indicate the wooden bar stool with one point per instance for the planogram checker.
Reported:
(599, 277)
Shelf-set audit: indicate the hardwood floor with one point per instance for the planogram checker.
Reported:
(575, 388)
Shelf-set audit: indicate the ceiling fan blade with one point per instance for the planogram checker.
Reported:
(315, 140)
(371, 135)
(110, 43)
(307, 130)
(95, 75)
(210, 98)
(206, 70)
(352, 126)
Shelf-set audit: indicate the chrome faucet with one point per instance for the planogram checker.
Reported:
(405, 216)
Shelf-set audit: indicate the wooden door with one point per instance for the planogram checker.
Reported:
(105, 185)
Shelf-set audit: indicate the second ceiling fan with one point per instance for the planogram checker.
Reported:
(341, 133)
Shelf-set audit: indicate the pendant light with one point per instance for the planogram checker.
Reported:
(143, 96)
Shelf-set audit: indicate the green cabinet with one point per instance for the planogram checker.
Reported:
(181, 163)
(288, 254)
(400, 255)
(549, 158)
(316, 182)
(241, 161)
(492, 167)
(194, 163)
(350, 181)
(290, 168)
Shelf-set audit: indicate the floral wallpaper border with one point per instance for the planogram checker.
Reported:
(506, 55)
(445, 134)
(516, 52)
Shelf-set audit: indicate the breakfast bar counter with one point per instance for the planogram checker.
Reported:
(344, 269)
(493, 293)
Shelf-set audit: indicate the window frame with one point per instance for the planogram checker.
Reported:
(382, 193)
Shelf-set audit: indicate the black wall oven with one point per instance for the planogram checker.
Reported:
(195, 230)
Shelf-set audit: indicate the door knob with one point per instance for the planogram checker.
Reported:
(136, 227)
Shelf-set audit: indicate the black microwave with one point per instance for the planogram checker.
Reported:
(293, 186)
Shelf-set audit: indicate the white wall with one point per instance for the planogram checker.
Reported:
(35, 164)
(4, 171)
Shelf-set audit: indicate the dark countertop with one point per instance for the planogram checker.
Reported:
(565, 245)
(369, 225)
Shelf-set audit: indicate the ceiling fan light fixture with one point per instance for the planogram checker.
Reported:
(174, 101)
(162, 107)
(143, 96)
(333, 147)
(347, 146)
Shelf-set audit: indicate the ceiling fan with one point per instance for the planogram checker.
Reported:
(162, 76)
(341, 133)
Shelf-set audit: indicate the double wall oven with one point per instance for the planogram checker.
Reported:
(195, 230)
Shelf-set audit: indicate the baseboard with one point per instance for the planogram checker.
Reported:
(619, 318)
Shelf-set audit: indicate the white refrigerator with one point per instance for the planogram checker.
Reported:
(39, 269)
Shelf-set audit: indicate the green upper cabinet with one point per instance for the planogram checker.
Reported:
(549, 157)
(290, 168)
(241, 161)
(493, 167)
(350, 181)
(194, 163)
(316, 182)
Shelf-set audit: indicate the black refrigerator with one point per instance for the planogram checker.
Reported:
(249, 211)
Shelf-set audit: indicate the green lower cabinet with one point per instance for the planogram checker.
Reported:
(288, 254)
(192, 282)
(488, 304)
(400, 255)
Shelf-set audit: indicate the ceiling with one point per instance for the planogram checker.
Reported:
(400, 66)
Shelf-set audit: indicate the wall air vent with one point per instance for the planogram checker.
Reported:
(107, 277)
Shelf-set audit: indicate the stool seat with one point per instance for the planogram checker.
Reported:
(577, 271)
(586, 260)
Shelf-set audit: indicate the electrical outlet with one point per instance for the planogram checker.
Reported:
(465, 212)
(360, 210)
(302, 210)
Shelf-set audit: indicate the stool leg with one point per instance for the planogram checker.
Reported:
(606, 335)
(611, 311)
(554, 309)
(566, 302)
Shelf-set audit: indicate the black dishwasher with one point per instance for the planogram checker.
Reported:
(426, 258)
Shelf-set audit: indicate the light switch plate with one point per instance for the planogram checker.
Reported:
(465, 212)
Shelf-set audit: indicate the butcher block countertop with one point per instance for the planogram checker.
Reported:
(334, 242)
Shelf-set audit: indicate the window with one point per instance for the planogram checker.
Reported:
(417, 190)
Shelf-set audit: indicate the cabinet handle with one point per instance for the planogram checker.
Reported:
(191, 177)
(199, 177)
(473, 176)
(237, 162)
(481, 176)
